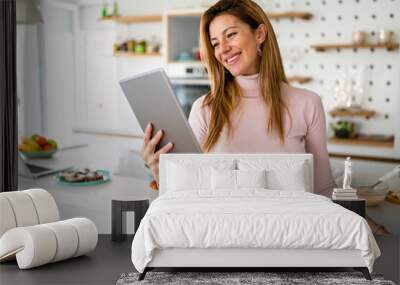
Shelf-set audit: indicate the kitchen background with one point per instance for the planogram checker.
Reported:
(69, 66)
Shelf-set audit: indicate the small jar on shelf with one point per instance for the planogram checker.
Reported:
(140, 47)
(153, 45)
(343, 129)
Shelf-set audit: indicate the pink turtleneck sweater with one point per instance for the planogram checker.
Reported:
(305, 133)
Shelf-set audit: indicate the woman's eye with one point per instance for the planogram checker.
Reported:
(231, 35)
(215, 45)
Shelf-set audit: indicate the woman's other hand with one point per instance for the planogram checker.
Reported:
(149, 154)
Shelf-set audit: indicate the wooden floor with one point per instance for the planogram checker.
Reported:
(111, 259)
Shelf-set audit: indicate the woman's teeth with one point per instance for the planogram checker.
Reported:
(233, 59)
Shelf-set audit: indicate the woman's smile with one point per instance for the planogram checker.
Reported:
(231, 60)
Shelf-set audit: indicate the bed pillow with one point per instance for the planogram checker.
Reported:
(193, 175)
(251, 178)
(236, 179)
(294, 179)
(281, 175)
(223, 179)
(181, 177)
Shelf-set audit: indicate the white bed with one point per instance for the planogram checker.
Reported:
(203, 220)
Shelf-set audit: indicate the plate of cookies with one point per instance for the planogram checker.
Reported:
(83, 177)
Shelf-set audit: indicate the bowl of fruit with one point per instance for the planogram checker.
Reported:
(37, 146)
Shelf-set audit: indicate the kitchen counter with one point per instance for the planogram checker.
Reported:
(93, 202)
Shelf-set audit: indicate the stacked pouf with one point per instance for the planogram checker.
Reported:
(30, 230)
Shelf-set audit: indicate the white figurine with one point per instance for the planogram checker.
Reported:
(347, 174)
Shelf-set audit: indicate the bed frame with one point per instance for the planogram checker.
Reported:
(249, 259)
(244, 259)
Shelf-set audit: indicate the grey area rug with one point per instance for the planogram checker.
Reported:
(231, 278)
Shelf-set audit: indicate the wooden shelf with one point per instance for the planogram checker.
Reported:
(127, 19)
(352, 112)
(362, 157)
(285, 15)
(289, 15)
(135, 54)
(134, 19)
(324, 47)
(364, 141)
(190, 61)
(299, 79)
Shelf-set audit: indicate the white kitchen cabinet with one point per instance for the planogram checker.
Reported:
(99, 81)
(181, 32)
(100, 104)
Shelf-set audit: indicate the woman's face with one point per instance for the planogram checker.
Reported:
(235, 44)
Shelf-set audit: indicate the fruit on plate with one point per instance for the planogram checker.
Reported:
(37, 143)
(42, 141)
(28, 145)
(52, 143)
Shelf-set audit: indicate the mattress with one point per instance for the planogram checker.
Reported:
(250, 219)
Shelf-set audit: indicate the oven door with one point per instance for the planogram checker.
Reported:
(187, 90)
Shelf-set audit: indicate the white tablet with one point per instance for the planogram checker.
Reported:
(152, 99)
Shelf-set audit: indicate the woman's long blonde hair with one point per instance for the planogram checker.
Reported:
(223, 97)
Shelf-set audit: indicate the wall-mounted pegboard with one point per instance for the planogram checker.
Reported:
(376, 70)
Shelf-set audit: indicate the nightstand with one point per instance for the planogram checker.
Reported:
(118, 215)
(357, 206)
(129, 194)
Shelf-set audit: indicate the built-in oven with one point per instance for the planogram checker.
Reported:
(187, 90)
(189, 81)
(184, 68)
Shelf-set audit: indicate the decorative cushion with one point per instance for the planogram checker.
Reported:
(251, 178)
(27, 208)
(23, 208)
(237, 179)
(7, 215)
(294, 180)
(67, 238)
(223, 179)
(32, 246)
(182, 178)
(186, 175)
(281, 175)
(45, 205)
(87, 233)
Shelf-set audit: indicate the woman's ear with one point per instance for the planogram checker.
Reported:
(261, 33)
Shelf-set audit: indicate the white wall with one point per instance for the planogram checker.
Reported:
(28, 81)
(56, 71)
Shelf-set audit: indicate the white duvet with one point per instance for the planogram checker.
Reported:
(250, 218)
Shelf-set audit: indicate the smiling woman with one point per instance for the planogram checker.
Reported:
(237, 39)
(251, 108)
